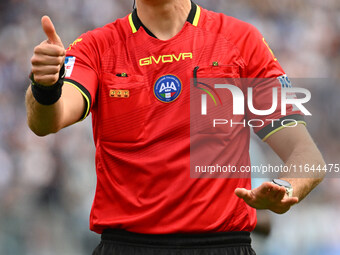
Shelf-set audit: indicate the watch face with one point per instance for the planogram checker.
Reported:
(282, 183)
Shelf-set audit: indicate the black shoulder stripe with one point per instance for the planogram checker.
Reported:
(270, 129)
(86, 94)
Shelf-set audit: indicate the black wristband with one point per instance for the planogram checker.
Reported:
(48, 95)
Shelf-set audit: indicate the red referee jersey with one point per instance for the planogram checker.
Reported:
(137, 88)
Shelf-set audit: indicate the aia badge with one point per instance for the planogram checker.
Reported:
(167, 88)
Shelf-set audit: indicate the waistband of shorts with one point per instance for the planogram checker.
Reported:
(237, 238)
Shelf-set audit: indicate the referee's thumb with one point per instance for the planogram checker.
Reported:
(50, 32)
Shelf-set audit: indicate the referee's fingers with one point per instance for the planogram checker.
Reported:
(290, 201)
(243, 193)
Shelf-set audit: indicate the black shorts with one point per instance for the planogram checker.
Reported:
(119, 242)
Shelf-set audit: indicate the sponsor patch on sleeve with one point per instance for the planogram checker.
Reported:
(285, 82)
(69, 64)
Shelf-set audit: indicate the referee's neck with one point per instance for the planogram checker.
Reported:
(164, 18)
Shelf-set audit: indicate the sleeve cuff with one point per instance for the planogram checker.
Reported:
(86, 94)
(271, 129)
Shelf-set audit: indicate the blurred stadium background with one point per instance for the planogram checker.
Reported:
(47, 184)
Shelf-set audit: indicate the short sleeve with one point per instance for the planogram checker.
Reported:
(81, 65)
(260, 61)
(266, 79)
(265, 110)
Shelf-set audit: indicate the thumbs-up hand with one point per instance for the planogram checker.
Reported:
(49, 56)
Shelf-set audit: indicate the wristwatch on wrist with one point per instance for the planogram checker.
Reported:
(285, 184)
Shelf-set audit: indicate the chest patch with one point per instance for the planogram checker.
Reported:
(167, 88)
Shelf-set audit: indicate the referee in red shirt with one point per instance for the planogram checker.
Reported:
(134, 76)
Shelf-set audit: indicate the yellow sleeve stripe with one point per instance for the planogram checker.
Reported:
(197, 16)
(84, 95)
(134, 30)
(282, 127)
